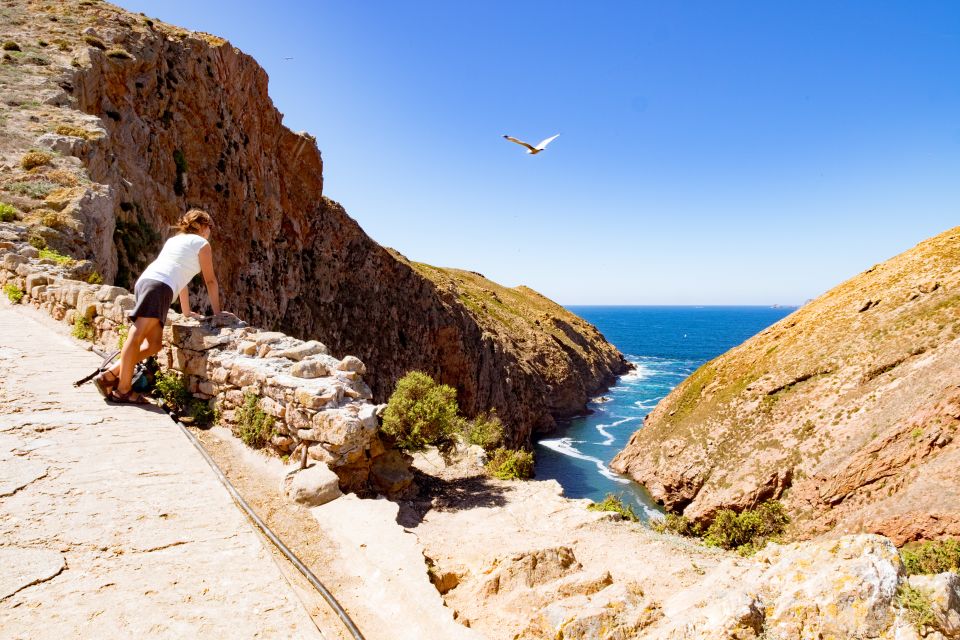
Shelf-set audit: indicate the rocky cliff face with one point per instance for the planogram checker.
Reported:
(172, 119)
(848, 410)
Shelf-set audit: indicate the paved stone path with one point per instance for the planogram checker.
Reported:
(111, 524)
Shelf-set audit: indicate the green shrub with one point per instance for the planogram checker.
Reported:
(749, 530)
(916, 606)
(36, 189)
(201, 412)
(615, 504)
(95, 278)
(170, 386)
(486, 430)
(82, 328)
(56, 256)
(253, 426)
(119, 54)
(677, 525)
(421, 413)
(7, 212)
(122, 332)
(33, 159)
(510, 464)
(932, 557)
(10, 45)
(94, 41)
(14, 293)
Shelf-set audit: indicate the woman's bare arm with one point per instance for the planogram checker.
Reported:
(210, 278)
(185, 302)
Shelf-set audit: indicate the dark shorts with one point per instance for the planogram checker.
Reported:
(153, 300)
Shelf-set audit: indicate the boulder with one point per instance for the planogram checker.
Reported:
(353, 364)
(299, 352)
(309, 368)
(833, 588)
(312, 486)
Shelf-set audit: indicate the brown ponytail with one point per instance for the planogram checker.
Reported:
(194, 220)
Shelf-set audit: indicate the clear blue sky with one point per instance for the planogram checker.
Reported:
(710, 152)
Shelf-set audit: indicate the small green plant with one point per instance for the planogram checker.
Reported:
(202, 414)
(95, 278)
(37, 241)
(33, 159)
(7, 212)
(421, 413)
(119, 54)
(510, 464)
(677, 525)
(170, 386)
(14, 293)
(82, 328)
(95, 42)
(56, 256)
(749, 530)
(615, 504)
(254, 427)
(932, 557)
(10, 45)
(122, 332)
(36, 189)
(486, 430)
(916, 606)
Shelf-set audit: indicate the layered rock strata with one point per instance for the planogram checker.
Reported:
(320, 404)
(162, 119)
(847, 410)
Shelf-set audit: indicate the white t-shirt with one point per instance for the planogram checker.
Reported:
(178, 262)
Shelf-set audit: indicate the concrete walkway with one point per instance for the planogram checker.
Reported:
(111, 524)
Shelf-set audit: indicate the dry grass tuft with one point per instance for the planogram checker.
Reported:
(34, 159)
(95, 42)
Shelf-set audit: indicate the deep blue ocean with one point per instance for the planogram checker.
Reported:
(666, 344)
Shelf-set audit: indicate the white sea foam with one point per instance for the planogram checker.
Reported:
(638, 373)
(565, 447)
(602, 428)
(648, 404)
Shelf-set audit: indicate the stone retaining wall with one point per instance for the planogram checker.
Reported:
(320, 403)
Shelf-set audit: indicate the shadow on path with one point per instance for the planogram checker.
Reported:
(450, 495)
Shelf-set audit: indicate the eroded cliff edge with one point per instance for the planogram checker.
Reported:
(848, 410)
(184, 119)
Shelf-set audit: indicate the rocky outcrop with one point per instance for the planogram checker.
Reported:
(848, 410)
(844, 588)
(184, 119)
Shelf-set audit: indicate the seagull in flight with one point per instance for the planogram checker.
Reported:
(531, 149)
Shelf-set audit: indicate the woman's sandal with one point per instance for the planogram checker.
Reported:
(130, 397)
(105, 386)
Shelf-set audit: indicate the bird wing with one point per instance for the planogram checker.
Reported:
(543, 145)
(520, 142)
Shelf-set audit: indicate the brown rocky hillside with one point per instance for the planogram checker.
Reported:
(145, 119)
(848, 410)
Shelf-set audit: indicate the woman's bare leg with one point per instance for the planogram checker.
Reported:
(151, 345)
(144, 330)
